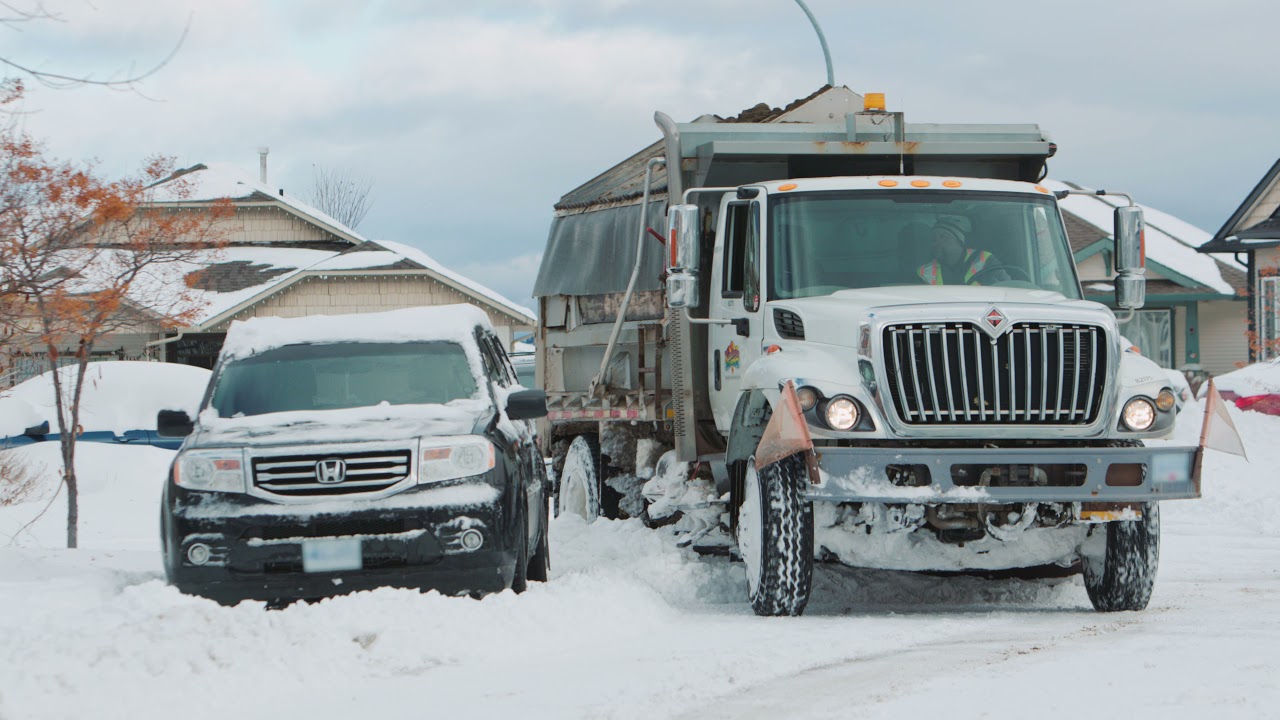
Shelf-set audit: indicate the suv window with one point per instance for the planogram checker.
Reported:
(343, 375)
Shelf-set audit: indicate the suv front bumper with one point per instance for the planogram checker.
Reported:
(255, 550)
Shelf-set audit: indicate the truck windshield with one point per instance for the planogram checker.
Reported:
(343, 375)
(820, 243)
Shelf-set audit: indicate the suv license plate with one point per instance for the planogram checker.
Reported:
(331, 555)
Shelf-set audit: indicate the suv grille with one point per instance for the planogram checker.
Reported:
(297, 475)
(1034, 374)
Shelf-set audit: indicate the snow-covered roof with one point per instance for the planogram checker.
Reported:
(430, 263)
(1169, 241)
(208, 182)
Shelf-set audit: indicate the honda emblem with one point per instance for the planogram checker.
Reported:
(331, 471)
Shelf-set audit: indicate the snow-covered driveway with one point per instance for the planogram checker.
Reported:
(631, 627)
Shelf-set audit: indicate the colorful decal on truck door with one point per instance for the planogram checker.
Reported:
(731, 358)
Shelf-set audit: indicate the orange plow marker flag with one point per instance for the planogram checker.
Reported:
(787, 434)
(1219, 432)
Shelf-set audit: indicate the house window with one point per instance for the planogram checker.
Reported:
(1152, 332)
(1268, 317)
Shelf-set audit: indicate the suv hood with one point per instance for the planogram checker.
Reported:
(384, 422)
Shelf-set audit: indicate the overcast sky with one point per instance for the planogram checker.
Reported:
(473, 118)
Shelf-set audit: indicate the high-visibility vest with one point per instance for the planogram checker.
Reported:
(978, 259)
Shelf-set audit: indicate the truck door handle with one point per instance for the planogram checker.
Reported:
(716, 373)
(743, 326)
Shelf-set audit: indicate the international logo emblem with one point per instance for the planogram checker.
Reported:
(331, 471)
(994, 318)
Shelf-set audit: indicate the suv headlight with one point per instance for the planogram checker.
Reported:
(214, 470)
(451, 458)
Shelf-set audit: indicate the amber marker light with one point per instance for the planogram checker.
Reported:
(772, 349)
(951, 183)
(919, 183)
(786, 187)
(1043, 190)
(888, 183)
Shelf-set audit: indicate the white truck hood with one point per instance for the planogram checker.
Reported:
(834, 318)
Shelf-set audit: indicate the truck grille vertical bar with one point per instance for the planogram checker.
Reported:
(1075, 376)
(946, 372)
(1062, 372)
(897, 371)
(982, 391)
(933, 382)
(915, 373)
(1026, 348)
(1093, 367)
(1002, 374)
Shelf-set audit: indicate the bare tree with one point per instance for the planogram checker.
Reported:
(341, 196)
(82, 257)
(14, 16)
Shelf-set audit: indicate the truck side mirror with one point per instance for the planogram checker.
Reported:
(174, 423)
(682, 278)
(1131, 286)
(682, 233)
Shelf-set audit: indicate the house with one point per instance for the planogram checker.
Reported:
(1195, 315)
(287, 259)
(1252, 235)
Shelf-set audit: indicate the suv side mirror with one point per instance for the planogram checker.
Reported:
(1131, 286)
(527, 405)
(174, 423)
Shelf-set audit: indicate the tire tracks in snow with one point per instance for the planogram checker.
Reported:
(857, 686)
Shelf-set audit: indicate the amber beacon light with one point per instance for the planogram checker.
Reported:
(873, 101)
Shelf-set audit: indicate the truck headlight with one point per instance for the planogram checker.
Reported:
(841, 413)
(808, 397)
(212, 470)
(1139, 414)
(451, 458)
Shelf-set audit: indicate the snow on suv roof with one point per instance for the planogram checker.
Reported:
(441, 322)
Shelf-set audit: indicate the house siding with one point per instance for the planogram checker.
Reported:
(1223, 345)
(342, 296)
(271, 224)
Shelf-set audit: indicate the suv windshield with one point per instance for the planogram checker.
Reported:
(343, 375)
(823, 242)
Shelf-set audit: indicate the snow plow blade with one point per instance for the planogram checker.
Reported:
(1006, 475)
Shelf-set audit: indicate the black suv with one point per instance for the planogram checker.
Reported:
(344, 453)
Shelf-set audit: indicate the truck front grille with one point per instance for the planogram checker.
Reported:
(1034, 374)
(363, 472)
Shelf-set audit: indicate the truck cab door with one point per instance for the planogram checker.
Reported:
(737, 296)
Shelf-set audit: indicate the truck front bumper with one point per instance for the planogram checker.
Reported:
(934, 476)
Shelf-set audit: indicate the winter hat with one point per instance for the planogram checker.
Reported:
(954, 224)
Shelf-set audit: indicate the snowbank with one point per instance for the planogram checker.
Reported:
(1257, 379)
(118, 395)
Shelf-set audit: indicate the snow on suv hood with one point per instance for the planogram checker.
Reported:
(380, 422)
(834, 318)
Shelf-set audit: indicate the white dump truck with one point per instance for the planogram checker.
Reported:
(909, 291)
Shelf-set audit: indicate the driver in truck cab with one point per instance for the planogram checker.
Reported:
(953, 263)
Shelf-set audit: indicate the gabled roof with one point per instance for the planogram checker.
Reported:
(1243, 231)
(238, 278)
(207, 183)
(1172, 244)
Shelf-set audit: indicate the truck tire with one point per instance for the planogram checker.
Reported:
(579, 481)
(775, 537)
(1120, 574)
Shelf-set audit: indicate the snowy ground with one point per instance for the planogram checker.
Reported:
(630, 627)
